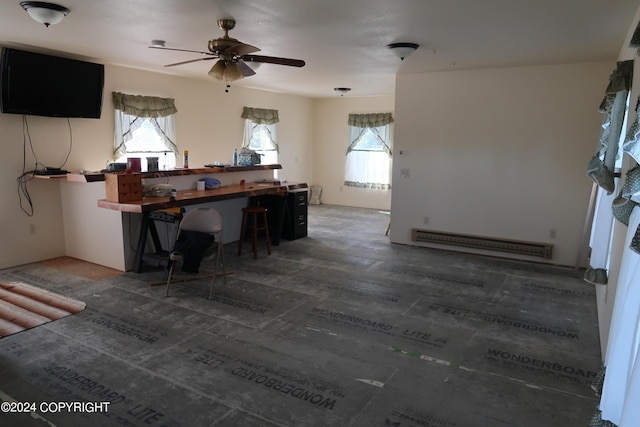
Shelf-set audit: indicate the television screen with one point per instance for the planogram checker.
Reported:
(45, 85)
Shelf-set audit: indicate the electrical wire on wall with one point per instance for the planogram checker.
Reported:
(70, 144)
(23, 191)
(26, 204)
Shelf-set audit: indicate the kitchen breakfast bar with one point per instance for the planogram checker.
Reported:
(136, 222)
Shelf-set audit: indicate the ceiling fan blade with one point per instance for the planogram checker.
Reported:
(244, 68)
(189, 61)
(274, 60)
(180, 50)
(242, 49)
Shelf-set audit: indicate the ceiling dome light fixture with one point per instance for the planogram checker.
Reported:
(342, 90)
(45, 13)
(403, 50)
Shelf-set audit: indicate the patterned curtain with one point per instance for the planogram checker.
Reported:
(620, 385)
(368, 163)
(602, 167)
(130, 113)
(260, 116)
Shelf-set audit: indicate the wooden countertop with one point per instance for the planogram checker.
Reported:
(99, 176)
(194, 197)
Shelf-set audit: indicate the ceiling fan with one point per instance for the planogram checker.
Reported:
(232, 56)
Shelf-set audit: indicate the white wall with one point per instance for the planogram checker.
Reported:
(331, 138)
(497, 152)
(208, 124)
(50, 142)
(91, 233)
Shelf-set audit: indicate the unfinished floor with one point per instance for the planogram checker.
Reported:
(337, 329)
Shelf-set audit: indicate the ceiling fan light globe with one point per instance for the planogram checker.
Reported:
(218, 70)
(232, 72)
(244, 68)
(253, 64)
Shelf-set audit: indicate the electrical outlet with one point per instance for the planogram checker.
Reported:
(32, 229)
(404, 173)
(426, 220)
(552, 233)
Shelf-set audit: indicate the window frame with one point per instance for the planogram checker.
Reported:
(369, 167)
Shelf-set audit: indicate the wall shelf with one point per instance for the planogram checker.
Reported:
(62, 176)
(99, 176)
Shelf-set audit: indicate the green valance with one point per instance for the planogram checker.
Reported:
(144, 106)
(372, 120)
(621, 77)
(261, 116)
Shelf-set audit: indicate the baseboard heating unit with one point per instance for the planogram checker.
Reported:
(542, 250)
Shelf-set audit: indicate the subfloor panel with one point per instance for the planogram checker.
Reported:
(340, 328)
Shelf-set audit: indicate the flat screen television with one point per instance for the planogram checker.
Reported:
(45, 85)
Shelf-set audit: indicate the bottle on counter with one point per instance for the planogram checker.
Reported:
(185, 163)
(235, 157)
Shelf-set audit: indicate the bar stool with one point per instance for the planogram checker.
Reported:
(250, 222)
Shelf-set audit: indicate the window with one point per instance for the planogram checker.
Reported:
(621, 384)
(145, 127)
(368, 163)
(260, 133)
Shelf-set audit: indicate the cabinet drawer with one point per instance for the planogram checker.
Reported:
(123, 187)
(301, 198)
(295, 223)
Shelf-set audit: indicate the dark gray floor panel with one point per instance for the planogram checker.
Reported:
(340, 328)
(550, 297)
(305, 388)
(495, 319)
(240, 301)
(242, 419)
(537, 366)
(324, 284)
(73, 373)
(130, 325)
(27, 346)
(450, 397)
(334, 325)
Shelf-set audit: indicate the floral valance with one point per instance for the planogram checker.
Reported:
(372, 120)
(144, 106)
(261, 116)
(621, 78)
